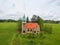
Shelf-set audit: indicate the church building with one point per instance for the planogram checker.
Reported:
(29, 27)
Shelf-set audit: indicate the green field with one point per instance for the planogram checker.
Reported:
(7, 31)
(9, 36)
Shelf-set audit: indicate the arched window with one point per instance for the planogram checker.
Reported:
(28, 30)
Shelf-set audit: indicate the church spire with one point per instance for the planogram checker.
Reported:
(24, 18)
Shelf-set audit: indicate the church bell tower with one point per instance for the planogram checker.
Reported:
(23, 24)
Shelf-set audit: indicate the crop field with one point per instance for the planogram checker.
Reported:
(9, 36)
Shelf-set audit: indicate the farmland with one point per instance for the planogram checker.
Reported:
(9, 36)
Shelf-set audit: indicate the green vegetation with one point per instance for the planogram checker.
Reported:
(47, 28)
(10, 36)
(7, 30)
(41, 23)
(20, 25)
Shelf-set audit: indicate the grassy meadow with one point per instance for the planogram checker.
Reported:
(9, 36)
(7, 31)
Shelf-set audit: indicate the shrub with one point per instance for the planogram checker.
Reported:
(20, 25)
(48, 29)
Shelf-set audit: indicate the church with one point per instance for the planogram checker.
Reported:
(29, 27)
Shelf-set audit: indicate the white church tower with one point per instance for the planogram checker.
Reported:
(23, 24)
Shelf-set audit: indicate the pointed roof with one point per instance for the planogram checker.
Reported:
(24, 18)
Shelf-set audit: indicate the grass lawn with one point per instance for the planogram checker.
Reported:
(8, 36)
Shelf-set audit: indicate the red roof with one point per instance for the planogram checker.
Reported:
(31, 25)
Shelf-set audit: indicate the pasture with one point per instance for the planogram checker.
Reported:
(9, 36)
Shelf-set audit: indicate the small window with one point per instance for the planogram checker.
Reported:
(28, 30)
(24, 31)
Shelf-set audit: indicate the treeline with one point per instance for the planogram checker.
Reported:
(9, 20)
(45, 21)
(51, 21)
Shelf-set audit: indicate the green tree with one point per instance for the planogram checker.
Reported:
(20, 25)
(27, 20)
(40, 22)
(34, 18)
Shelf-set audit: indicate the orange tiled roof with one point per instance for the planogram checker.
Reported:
(31, 25)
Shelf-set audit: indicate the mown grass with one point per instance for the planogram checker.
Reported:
(8, 36)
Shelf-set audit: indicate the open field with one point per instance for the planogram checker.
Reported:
(8, 36)
(7, 31)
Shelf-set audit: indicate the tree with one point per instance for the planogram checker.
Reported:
(27, 20)
(40, 22)
(34, 18)
(20, 25)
